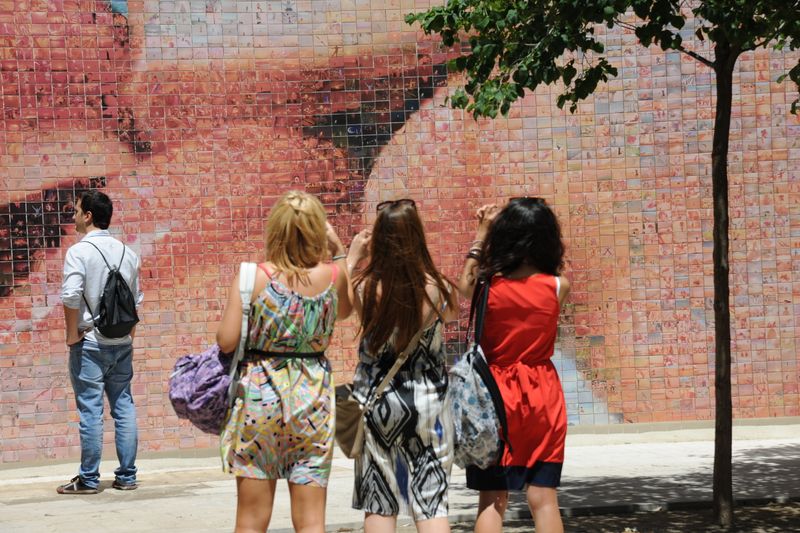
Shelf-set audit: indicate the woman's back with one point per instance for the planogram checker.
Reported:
(521, 320)
(291, 317)
(408, 449)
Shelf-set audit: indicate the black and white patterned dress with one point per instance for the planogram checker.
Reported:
(408, 445)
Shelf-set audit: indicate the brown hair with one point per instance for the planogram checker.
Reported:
(295, 233)
(400, 266)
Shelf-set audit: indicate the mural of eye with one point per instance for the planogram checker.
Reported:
(30, 226)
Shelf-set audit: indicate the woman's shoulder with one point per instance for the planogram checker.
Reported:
(445, 302)
(319, 279)
(537, 283)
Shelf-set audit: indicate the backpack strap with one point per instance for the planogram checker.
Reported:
(247, 281)
(101, 253)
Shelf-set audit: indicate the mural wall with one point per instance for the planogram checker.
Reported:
(194, 116)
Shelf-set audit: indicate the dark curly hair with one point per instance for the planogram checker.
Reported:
(526, 231)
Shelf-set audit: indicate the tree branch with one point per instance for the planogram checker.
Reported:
(698, 57)
(765, 41)
(626, 25)
(694, 55)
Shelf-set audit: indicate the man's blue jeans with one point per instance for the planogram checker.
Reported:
(95, 369)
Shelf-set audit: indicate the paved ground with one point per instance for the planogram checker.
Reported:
(606, 475)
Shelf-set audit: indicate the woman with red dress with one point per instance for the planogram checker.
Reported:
(519, 251)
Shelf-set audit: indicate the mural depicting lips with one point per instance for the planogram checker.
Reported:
(194, 117)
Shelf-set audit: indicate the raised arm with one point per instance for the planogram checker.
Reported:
(359, 249)
(344, 285)
(469, 274)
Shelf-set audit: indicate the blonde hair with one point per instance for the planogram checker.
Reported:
(296, 236)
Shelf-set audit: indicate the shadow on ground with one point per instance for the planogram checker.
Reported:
(760, 476)
(766, 519)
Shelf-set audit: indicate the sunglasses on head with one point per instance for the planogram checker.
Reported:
(535, 199)
(402, 201)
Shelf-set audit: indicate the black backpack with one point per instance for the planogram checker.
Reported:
(117, 309)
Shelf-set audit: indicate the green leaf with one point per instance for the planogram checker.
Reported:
(459, 99)
(512, 16)
(568, 73)
(517, 45)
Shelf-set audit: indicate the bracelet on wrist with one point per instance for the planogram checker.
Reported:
(339, 257)
(473, 254)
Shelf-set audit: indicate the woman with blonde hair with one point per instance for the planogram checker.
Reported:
(281, 424)
(403, 302)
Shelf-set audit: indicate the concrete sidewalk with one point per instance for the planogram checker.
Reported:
(603, 472)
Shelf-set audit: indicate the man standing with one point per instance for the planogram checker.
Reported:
(98, 363)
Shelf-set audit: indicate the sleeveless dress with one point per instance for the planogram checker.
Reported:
(518, 339)
(408, 445)
(281, 423)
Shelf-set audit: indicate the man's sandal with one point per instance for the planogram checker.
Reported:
(76, 486)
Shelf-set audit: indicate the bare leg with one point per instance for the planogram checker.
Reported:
(308, 508)
(433, 525)
(254, 499)
(376, 523)
(543, 502)
(491, 510)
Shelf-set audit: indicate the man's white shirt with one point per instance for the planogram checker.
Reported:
(85, 274)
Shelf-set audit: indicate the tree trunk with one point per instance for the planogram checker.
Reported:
(725, 59)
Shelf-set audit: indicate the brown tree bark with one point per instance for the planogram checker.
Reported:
(725, 60)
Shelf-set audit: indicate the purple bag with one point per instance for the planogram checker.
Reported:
(198, 389)
(201, 386)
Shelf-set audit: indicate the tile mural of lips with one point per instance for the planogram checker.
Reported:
(194, 117)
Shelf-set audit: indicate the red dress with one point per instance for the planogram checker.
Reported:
(518, 339)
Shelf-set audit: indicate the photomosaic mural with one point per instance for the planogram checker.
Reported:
(195, 115)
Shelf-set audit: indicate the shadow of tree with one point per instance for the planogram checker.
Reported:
(761, 476)
(766, 519)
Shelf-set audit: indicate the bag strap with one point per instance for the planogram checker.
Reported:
(247, 281)
(480, 313)
(401, 358)
(477, 310)
(479, 304)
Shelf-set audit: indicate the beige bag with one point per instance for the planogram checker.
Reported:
(349, 411)
(349, 421)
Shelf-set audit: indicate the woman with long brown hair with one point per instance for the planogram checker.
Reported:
(408, 449)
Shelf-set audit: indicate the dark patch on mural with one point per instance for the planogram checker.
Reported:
(384, 105)
(29, 227)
